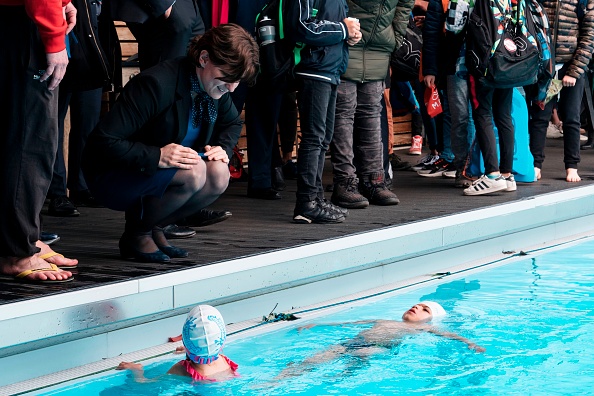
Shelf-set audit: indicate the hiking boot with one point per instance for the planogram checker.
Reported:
(486, 185)
(416, 145)
(329, 206)
(313, 212)
(462, 181)
(429, 159)
(374, 189)
(511, 183)
(346, 195)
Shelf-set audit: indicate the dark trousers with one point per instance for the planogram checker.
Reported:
(28, 132)
(356, 146)
(317, 103)
(569, 107)
(85, 108)
(262, 109)
(287, 127)
(494, 105)
(161, 39)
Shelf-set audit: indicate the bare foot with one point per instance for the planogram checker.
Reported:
(572, 175)
(537, 173)
(56, 259)
(12, 266)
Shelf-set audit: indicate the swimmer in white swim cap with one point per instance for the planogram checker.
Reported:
(383, 336)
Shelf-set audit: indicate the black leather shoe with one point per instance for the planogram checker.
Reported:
(263, 193)
(278, 180)
(84, 198)
(205, 217)
(128, 251)
(61, 206)
(174, 251)
(173, 231)
(48, 238)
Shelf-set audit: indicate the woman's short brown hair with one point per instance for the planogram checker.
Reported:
(231, 48)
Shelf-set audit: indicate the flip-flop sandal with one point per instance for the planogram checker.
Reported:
(22, 277)
(53, 254)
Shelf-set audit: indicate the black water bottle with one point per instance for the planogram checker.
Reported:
(266, 31)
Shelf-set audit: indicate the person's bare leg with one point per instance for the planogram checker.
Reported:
(13, 266)
(57, 259)
(572, 175)
(308, 364)
(189, 191)
(537, 174)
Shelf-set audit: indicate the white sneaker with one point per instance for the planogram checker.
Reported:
(486, 185)
(555, 131)
(511, 183)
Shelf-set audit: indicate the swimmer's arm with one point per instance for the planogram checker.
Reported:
(137, 371)
(358, 322)
(457, 337)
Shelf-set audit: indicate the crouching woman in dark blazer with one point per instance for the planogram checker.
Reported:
(162, 152)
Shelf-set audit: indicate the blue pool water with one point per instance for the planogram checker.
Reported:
(535, 317)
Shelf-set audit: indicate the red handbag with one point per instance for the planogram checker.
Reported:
(432, 101)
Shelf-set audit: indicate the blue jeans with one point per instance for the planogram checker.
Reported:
(570, 105)
(462, 126)
(356, 148)
(317, 104)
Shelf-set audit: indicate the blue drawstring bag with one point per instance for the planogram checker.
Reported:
(523, 165)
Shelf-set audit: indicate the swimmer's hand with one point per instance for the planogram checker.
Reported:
(306, 327)
(130, 366)
(476, 348)
(180, 349)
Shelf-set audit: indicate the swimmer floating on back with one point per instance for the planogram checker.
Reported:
(382, 336)
(203, 336)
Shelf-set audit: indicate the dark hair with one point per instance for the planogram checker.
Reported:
(231, 48)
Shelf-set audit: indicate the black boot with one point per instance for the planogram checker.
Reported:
(372, 187)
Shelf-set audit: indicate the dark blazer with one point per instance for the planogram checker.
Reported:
(137, 10)
(152, 112)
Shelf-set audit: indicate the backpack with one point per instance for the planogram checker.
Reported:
(406, 59)
(546, 69)
(278, 54)
(500, 43)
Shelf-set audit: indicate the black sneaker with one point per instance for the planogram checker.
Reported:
(314, 212)
(62, 207)
(435, 170)
(450, 171)
(333, 208)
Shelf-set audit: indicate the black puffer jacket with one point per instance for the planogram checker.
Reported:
(440, 51)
